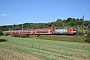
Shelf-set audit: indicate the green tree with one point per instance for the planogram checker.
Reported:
(58, 23)
(89, 25)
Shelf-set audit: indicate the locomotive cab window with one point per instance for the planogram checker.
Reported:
(74, 30)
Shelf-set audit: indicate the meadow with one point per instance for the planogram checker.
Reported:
(16, 48)
(68, 38)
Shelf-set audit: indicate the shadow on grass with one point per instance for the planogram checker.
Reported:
(3, 40)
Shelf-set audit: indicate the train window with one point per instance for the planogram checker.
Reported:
(74, 30)
(70, 29)
(50, 30)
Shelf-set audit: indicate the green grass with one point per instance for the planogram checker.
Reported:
(44, 49)
(64, 38)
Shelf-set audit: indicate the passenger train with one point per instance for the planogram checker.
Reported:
(48, 31)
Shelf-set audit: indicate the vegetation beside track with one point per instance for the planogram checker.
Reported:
(80, 39)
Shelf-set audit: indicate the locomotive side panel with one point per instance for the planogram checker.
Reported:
(61, 31)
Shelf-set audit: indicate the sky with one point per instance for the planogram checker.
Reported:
(41, 11)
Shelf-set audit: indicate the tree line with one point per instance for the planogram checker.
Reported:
(59, 23)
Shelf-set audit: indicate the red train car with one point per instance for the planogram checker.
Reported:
(27, 32)
(21, 32)
(11, 32)
(44, 31)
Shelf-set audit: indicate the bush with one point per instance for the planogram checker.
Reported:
(27, 35)
(79, 33)
(15, 35)
(1, 33)
(6, 34)
(3, 40)
(88, 37)
(38, 35)
(20, 35)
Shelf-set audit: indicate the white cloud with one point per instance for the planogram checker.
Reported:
(3, 14)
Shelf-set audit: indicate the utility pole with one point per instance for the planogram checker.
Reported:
(83, 25)
(22, 28)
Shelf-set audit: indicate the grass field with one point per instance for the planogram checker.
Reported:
(68, 38)
(16, 48)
